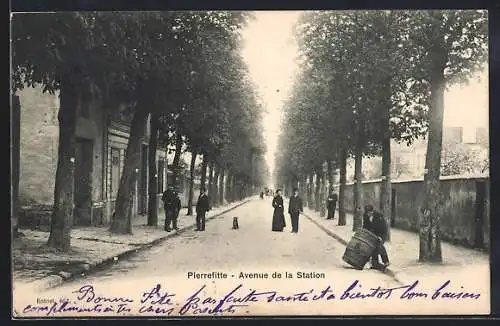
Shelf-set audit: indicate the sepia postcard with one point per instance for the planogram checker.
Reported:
(250, 163)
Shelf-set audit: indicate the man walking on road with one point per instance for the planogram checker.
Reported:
(294, 209)
(169, 206)
(202, 207)
(332, 204)
(374, 221)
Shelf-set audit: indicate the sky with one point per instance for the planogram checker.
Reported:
(270, 53)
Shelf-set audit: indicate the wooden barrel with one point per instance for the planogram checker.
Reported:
(360, 248)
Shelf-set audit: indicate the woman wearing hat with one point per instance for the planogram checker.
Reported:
(278, 215)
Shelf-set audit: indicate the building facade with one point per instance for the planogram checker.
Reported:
(409, 161)
(101, 142)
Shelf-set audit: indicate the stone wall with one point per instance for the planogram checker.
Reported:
(458, 206)
(38, 146)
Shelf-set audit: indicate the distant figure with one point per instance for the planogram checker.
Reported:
(294, 209)
(332, 204)
(202, 207)
(177, 205)
(236, 225)
(261, 195)
(374, 221)
(169, 205)
(278, 215)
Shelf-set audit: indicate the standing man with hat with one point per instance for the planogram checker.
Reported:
(177, 205)
(332, 204)
(202, 207)
(294, 209)
(169, 206)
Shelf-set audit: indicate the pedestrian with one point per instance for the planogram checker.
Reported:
(294, 209)
(177, 205)
(202, 207)
(278, 214)
(261, 195)
(168, 199)
(332, 204)
(374, 221)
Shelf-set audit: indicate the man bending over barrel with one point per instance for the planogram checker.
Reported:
(374, 221)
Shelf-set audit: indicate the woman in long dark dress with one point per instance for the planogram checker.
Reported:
(278, 215)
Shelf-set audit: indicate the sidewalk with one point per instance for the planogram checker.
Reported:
(37, 266)
(403, 250)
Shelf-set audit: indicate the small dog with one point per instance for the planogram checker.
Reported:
(235, 223)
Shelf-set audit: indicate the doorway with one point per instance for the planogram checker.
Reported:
(479, 216)
(83, 182)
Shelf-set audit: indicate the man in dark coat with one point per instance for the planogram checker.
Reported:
(177, 205)
(374, 221)
(294, 209)
(202, 207)
(332, 204)
(169, 206)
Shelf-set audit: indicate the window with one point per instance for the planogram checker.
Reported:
(161, 173)
(115, 171)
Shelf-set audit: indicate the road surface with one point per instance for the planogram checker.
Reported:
(225, 263)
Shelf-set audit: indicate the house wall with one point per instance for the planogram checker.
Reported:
(117, 139)
(39, 137)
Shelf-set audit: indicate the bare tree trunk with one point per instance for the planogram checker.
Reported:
(153, 174)
(311, 190)
(227, 189)
(342, 182)
(177, 159)
(15, 163)
(330, 174)
(211, 180)
(317, 190)
(62, 214)
(215, 186)
(191, 182)
(385, 190)
(221, 187)
(308, 192)
(302, 185)
(235, 190)
(430, 238)
(342, 186)
(204, 166)
(322, 207)
(230, 187)
(241, 189)
(252, 172)
(324, 193)
(122, 221)
(358, 182)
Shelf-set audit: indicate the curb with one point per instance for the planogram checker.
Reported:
(55, 280)
(397, 276)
